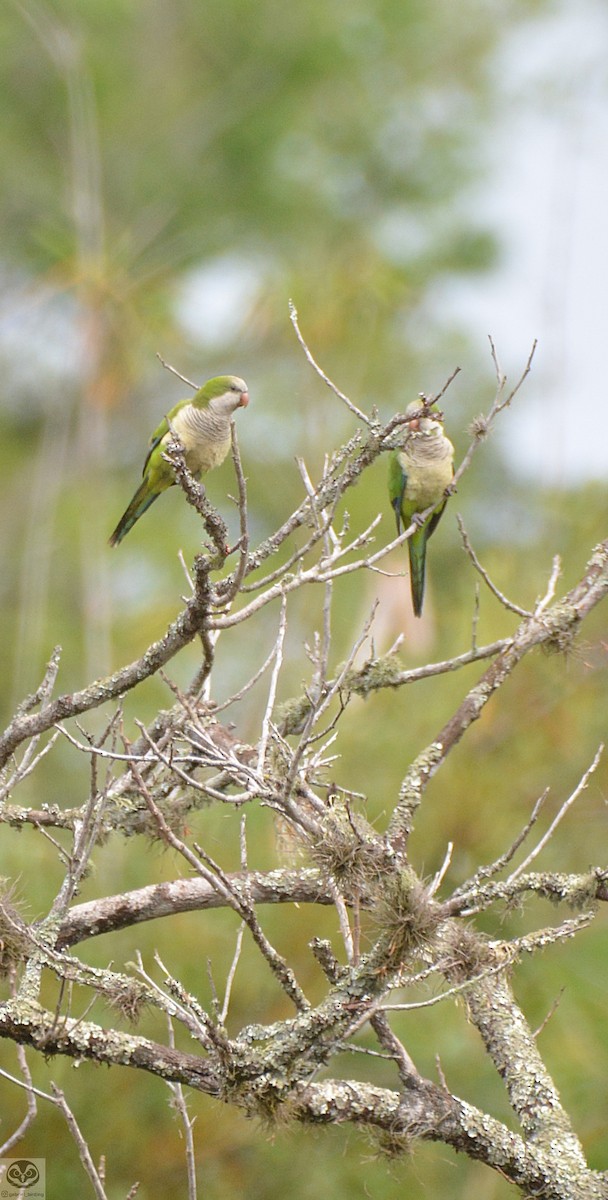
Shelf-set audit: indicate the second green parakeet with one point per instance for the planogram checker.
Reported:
(419, 472)
(202, 424)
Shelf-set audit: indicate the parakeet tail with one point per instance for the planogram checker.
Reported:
(142, 500)
(417, 553)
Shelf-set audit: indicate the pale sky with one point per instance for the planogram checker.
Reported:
(547, 197)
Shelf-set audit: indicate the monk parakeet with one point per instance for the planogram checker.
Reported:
(202, 424)
(419, 472)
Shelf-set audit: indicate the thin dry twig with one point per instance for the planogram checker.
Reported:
(442, 391)
(223, 1012)
(344, 922)
(179, 1101)
(228, 589)
(272, 690)
(174, 371)
(553, 1009)
(504, 600)
(581, 786)
(441, 873)
(486, 872)
(408, 1072)
(482, 425)
(357, 412)
(179, 1003)
(32, 1109)
(84, 1153)
(549, 595)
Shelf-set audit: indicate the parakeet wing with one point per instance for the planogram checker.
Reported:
(397, 483)
(160, 432)
(435, 519)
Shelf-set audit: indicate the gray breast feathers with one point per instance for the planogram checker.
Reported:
(206, 437)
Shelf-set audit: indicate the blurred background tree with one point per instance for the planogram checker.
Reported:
(172, 174)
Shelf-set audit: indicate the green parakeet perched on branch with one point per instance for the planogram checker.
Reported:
(202, 424)
(419, 472)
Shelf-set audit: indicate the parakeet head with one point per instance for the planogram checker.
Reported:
(225, 393)
(427, 425)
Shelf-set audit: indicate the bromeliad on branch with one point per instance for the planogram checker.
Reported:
(202, 423)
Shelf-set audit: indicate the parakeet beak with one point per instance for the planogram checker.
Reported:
(244, 400)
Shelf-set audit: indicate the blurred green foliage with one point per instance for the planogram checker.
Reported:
(172, 173)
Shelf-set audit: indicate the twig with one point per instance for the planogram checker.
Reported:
(43, 692)
(482, 425)
(223, 1013)
(493, 868)
(457, 990)
(408, 1072)
(85, 838)
(169, 761)
(180, 1003)
(521, 612)
(475, 617)
(553, 1009)
(499, 403)
(27, 1087)
(298, 555)
(343, 921)
(28, 764)
(293, 316)
(539, 939)
(442, 391)
(185, 569)
(210, 755)
(229, 588)
(251, 682)
(561, 814)
(174, 371)
(441, 873)
(272, 690)
(83, 1149)
(32, 1110)
(179, 1100)
(551, 587)
(318, 573)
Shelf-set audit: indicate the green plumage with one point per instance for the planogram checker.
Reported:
(419, 472)
(202, 423)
